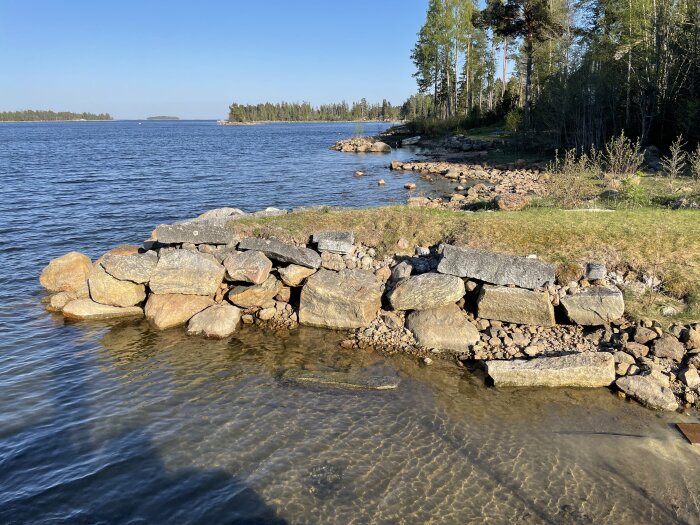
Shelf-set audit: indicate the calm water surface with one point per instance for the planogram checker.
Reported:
(119, 423)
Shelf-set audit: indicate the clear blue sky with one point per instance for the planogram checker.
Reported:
(193, 58)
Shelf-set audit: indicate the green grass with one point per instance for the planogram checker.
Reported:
(647, 241)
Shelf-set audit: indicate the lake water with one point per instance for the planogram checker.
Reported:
(119, 423)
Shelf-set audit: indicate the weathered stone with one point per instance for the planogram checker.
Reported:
(596, 271)
(380, 147)
(334, 241)
(636, 349)
(66, 273)
(594, 306)
(341, 300)
(648, 392)
(59, 300)
(690, 377)
(691, 338)
(586, 370)
(185, 272)
(428, 290)
(445, 328)
(105, 289)
(209, 231)
(256, 295)
(668, 347)
(137, 268)
(86, 309)
(281, 252)
(644, 335)
(218, 321)
(511, 202)
(170, 310)
(332, 261)
(515, 305)
(295, 275)
(266, 314)
(495, 268)
(340, 379)
(221, 213)
(252, 267)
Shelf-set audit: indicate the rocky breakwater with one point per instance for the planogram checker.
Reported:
(517, 317)
(361, 145)
(505, 188)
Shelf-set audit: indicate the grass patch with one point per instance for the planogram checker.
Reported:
(648, 241)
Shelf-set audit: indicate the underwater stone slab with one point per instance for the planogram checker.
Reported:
(495, 268)
(648, 392)
(282, 252)
(88, 310)
(336, 242)
(587, 370)
(340, 379)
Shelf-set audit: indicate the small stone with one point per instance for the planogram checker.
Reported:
(410, 186)
(596, 271)
(332, 261)
(252, 267)
(334, 241)
(690, 377)
(636, 349)
(295, 275)
(218, 321)
(648, 392)
(255, 295)
(266, 314)
(644, 335)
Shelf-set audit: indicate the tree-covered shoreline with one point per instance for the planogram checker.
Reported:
(306, 112)
(31, 115)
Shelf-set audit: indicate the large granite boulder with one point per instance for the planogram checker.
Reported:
(295, 275)
(186, 272)
(495, 268)
(428, 290)
(66, 273)
(252, 267)
(105, 289)
(336, 241)
(587, 370)
(444, 327)
(256, 295)
(218, 321)
(282, 252)
(594, 306)
(668, 347)
(648, 392)
(86, 309)
(136, 268)
(515, 305)
(170, 310)
(208, 231)
(340, 300)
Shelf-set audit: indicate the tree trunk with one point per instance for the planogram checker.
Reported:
(505, 64)
(528, 81)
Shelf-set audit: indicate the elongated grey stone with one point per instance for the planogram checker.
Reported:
(340, 379)
(428, 290)
(282, 252)
(336, 242)
(207, 231)
(515, 305)
(587, 370)
(137, 268)
(648, 392)
(495, 268)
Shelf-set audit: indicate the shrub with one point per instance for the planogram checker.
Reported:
(576, 178)
(694, 159)
(514, 119)
(633, 194)
(623, 158)
(674, 164)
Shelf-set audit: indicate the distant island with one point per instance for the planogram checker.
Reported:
(163, 117)
(305, 112)
(32, 115)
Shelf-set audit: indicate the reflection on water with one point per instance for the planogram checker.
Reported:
(124, 423)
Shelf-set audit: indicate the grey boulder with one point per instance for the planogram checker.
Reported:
(136, 268)
(282, 252)
(594, 306)
(428, 290)
(515, 305)
(186, 272)
(334, 241)
(199, 231)
(648, 392)
(444, 328)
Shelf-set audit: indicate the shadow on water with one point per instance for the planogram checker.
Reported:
(54, 472)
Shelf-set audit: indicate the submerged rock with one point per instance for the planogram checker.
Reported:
(648, 392)
(340, 379)
(186, 272)
(586, 370)
(445, 328)
(594, 306)
(495, 268)
(341, 300)
(282, 252)
(252, 267)
(428, 290)
(218, 321)
(66, 273)
(170, 310)
(86, 309)
(515, 305)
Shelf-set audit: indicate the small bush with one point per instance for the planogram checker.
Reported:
(623, 158)
(694, 159)
(576, 179)
(674, 164)
(514, 119)
(633, 194)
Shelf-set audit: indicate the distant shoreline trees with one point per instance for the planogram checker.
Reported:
(305, 112)
(45, 115)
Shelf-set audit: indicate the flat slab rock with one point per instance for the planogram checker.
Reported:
(351, 380)
(648, 392)
(594, 306)
(586, 370)
(86, 309)
(515, 305)
(136, 268)
(334, 241)
(495, 268)
(206, 231)
(282, 252)
(428, 290)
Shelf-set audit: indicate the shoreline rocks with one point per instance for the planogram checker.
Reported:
(361, 145)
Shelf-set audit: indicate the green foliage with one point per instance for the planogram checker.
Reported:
(576, 179)
(514, 120)
(694, 159)
(305, 112)
(41, 115)
(633, 194)
(674, 164)
(623, 157)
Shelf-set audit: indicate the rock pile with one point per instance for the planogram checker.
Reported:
(446, 300)
(361, 145)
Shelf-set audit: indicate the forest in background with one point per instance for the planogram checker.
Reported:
(40, 115)
(571, 72)
(305, 112)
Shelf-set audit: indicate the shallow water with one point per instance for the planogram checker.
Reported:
(119, 423)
